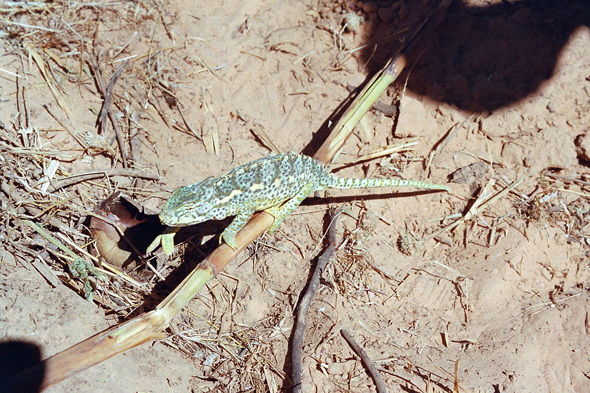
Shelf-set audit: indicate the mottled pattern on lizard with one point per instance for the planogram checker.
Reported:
(277, 184)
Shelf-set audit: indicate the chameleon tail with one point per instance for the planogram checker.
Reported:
(342, 182)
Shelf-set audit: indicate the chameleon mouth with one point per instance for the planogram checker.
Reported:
(165, 219)
(181, 218)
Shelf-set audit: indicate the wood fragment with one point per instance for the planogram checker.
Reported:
(381, 388)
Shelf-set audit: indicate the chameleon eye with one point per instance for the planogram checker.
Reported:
(195, 193)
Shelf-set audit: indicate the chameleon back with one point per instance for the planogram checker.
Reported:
(266, 182)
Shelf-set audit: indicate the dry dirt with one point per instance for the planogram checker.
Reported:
(506, 296)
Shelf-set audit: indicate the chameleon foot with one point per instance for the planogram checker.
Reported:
(229, 238)
(275, 225)
(166, 239)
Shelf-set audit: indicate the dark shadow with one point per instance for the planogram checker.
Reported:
(479, 58)
(15, 357)
(482, 58)
(313, 201)
(194, 252)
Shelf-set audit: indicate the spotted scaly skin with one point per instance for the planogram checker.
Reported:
(276, 184)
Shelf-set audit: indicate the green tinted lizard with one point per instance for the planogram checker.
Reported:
(276, 184)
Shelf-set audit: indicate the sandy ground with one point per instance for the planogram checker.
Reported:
(505, 297)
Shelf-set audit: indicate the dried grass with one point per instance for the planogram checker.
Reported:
(54, 42)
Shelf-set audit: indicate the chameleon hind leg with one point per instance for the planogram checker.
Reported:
(279, 212)
(229, 234)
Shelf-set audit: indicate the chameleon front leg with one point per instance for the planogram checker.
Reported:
(279, 212)
(167, 240)
(229, 234)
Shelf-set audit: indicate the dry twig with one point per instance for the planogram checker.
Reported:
(303, 307)
(106, 106)
(484, 200)
(97, 174)
(381, 388)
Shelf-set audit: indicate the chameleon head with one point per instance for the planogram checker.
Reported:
(189, 205)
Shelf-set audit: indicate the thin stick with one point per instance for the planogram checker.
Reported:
(477, 207)
(186, 123)
(381, 388)
(5, 187)
(574, 180)
(303, 307)
(112, 117)
(82, 177)
(107, 94)
(75, 134)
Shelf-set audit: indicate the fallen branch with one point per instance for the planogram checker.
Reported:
(303, 307)
(97, 174)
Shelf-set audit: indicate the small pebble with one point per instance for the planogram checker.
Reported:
(352, 21)
(404, 11)
(370, 7)
(385, 14)
(369, 26)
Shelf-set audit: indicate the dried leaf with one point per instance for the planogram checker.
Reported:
(136, 226)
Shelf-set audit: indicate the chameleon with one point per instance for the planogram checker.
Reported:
(276, 184)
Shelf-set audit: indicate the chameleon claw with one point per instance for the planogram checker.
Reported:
(275, 225)
(154, 244)
(168, 243)
(229, 239)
